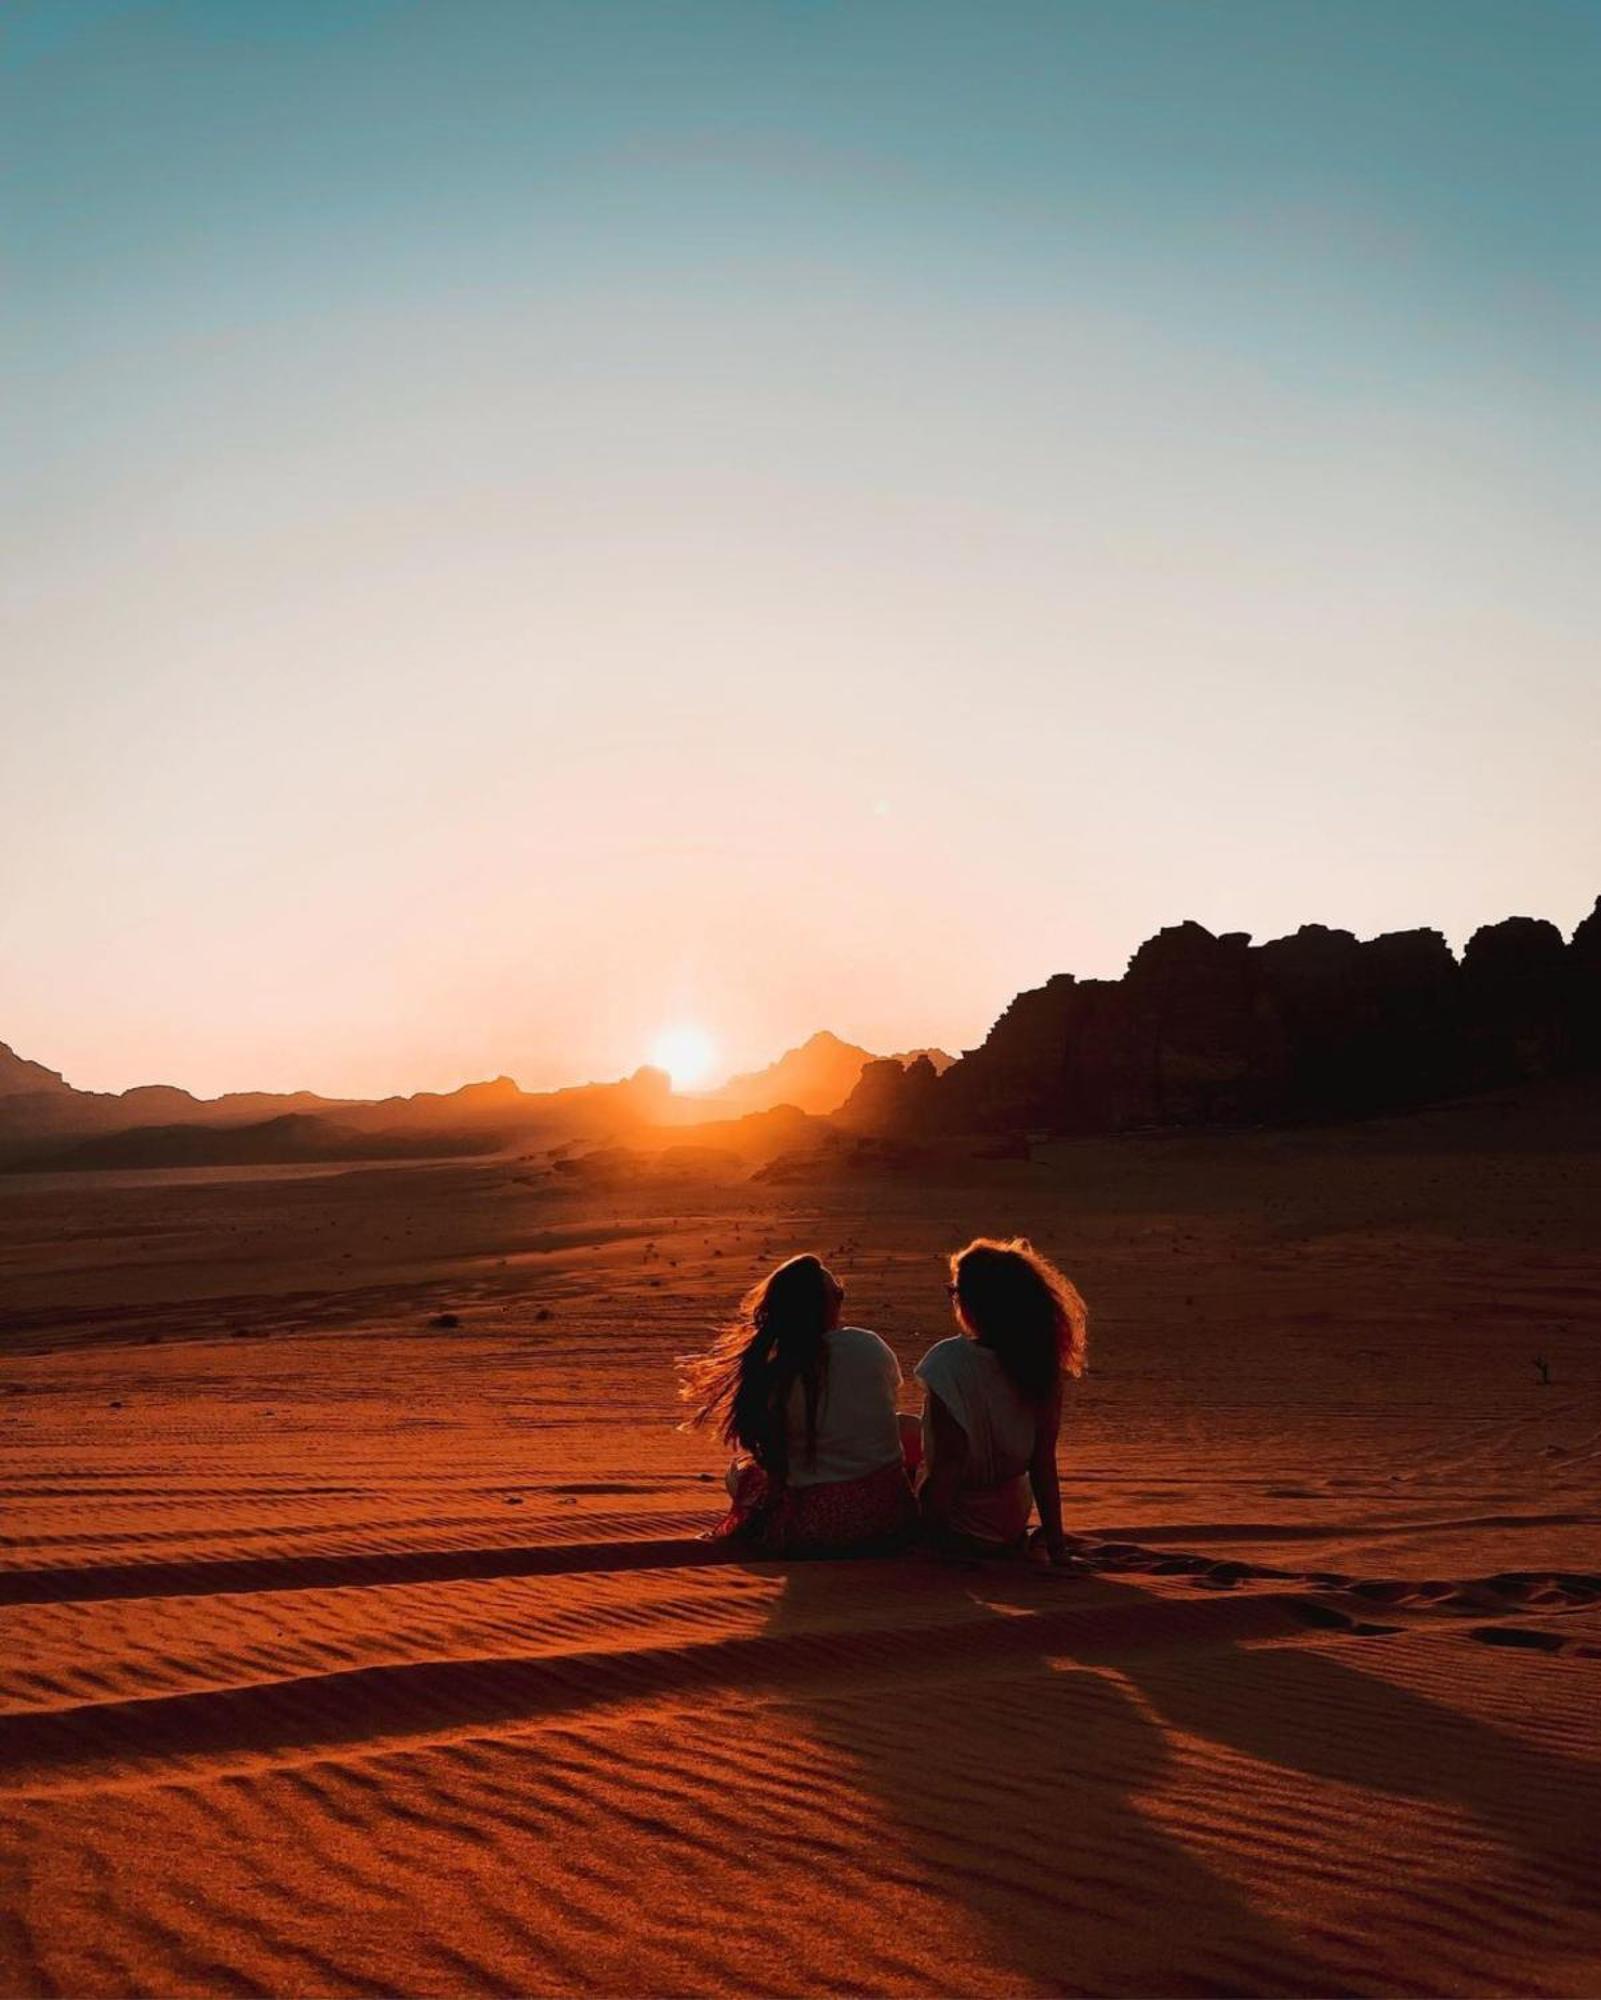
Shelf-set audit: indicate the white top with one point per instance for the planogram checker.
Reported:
(857, 1428)
(975, 1388)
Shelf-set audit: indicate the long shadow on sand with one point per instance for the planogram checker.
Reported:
(1014, 1734)
(210, 1576)
(1016, 1786)
(419, 1698)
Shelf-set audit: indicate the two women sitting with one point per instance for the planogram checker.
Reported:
(825, 1466)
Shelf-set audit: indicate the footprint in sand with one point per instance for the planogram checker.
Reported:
(1524, 1636)
(1326, 1618)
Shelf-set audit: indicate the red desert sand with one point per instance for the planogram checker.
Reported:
(357, 1639)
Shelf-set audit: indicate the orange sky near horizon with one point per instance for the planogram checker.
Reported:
(527, 528)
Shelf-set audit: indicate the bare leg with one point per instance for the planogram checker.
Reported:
(911, 1442)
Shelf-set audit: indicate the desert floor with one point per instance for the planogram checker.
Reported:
(346, 1652)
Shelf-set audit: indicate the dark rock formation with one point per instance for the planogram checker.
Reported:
(1018, 1076)
(937, 1057)
(1584, 990)
(1205, 1030)
(1515, 982)
(1194, 1041)
(893, 1096)
(1407, 1030)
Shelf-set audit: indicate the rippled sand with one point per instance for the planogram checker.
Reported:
(344, 1651)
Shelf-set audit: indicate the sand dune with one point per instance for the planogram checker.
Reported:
(348, 1651)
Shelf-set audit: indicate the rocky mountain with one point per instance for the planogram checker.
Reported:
(817, 1077)
(38, 1104)
(895, 1095)
(21, 1078)
(937, 1059)
(1205, 1030)
(157, 1125)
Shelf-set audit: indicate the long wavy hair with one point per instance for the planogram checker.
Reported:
(742, 1383)
(1016, 1303)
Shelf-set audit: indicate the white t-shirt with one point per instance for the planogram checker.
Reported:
(857, 1428)
(975, 1388)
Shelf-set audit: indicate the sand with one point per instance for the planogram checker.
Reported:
(346, 1652)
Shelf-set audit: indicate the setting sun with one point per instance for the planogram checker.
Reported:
(687, 1055)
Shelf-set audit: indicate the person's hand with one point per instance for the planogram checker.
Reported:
(1054, 1549)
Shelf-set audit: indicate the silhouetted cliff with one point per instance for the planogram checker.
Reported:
(1205, 1030)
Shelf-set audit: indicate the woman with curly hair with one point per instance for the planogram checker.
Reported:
(809, 1406)
(994, 1405)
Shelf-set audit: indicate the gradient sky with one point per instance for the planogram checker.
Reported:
(525, 522)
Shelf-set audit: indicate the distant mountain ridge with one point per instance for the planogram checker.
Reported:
(1201, 1030)
(21, 1078)
(50, 1123)
(817, 1077)
(37, 1103)
(45, 1122)
(296, 1138)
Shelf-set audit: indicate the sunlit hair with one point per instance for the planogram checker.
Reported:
(742, 1383)
(1016, 1303)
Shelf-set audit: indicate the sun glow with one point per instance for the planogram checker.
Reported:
(687, 1054)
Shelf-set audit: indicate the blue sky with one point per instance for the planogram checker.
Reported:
(525, 523)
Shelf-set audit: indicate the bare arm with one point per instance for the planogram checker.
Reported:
(947, 1456)
(1046, 1481)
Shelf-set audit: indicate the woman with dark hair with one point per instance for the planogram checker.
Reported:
(810, 1405)
(994, 1406)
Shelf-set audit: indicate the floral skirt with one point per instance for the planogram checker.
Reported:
(871, 1515)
